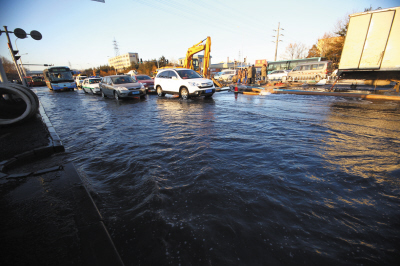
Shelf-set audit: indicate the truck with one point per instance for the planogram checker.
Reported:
(372, 46)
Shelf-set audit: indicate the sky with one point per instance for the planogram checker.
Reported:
(81, 33)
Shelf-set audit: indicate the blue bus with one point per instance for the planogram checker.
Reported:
(59, 78)
(290, 64)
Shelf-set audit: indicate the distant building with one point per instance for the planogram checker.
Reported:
(123, 61)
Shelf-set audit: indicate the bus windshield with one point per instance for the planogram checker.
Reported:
(60, 76)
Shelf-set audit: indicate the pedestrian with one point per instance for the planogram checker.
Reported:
(253, 74)
(245, 76)
(249, 75)
(264, 73)
(239, 76)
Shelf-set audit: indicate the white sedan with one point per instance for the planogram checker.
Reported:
(227, 75)
(278, 75)
(91, 85)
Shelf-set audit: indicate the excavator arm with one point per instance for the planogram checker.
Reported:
(198, 47)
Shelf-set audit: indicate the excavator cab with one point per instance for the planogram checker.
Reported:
(196, 66)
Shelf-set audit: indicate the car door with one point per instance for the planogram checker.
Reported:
(166, 81)
(110, 87)
(174, 81)
(106, 87)
(84, 83)
(103, 84)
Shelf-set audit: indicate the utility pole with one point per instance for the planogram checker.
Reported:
(116, 49)
(277, 39)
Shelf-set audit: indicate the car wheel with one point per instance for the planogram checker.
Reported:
(116, 95)
(184, 93)
(103, 95)
(159, 92)
(317, 78)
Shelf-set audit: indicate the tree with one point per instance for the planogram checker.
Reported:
(341, 26)
(295, 51)
(162, 61)
(314, 52)
(9, 68)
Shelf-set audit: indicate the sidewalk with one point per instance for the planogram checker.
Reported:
(48, 216)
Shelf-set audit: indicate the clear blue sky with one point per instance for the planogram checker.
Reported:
(81, 32)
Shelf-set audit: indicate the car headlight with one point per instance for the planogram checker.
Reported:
(194, 84)
(141, 85)
(122, 89)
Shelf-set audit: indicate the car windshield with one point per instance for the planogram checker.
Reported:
(188, 74)
(94, 81)
(122, 80)
(142, 77)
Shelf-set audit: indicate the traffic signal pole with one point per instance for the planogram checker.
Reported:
(12, 52)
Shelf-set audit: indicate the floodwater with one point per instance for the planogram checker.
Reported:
(239, 179)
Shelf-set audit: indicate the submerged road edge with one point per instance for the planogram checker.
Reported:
(54, 146)
(97, 245)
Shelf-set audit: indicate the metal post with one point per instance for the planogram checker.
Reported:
(22, 68)
(20, 59)
(3, 76)
(13, 57)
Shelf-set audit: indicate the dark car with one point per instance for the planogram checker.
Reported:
(36, 81)
(146, 81)
(121, 86)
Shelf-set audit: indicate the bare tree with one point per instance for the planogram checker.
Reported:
(295, 51)
(341, 25)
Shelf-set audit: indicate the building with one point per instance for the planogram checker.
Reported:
(123, 61)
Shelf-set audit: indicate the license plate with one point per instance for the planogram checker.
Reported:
(135, 92)
(208, 91)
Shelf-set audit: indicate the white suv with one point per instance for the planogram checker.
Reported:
(183, 82)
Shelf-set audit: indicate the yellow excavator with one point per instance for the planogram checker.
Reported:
(194, 63)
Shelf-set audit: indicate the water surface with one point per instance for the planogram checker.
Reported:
(239, 180)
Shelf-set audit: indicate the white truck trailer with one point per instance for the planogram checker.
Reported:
(372, 46)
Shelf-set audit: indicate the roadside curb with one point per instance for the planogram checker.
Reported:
(97, 245)
(54, 146)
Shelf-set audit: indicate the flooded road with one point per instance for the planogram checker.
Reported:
(239, 180)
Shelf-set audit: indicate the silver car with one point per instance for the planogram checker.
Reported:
(280, 75)
(121, 86)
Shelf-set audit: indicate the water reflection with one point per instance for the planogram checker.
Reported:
(363, 136)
